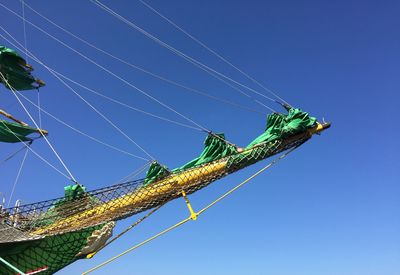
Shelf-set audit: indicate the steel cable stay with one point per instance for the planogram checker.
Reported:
(92, 90)
(85, 101)
(81, 132)
(124, 104)
(110, 72)
(219, 56)
(191, 60)
(136, 67)
(113, 74)
(209, 70)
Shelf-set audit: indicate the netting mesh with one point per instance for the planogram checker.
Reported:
(119, 201)
(54, 222)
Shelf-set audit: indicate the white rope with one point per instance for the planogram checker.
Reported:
(37, 126)
(82, 133)
(109, 71)
(162, 78)
(17, 177)
(191, 60)
(79, 96)
(211, 51)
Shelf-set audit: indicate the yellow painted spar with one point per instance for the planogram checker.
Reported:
(140, 198)
(137, 198)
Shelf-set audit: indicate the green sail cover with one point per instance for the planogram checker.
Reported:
(156, 171)
(281, 126)
(14, 132)
(214, 148)
(16, 71)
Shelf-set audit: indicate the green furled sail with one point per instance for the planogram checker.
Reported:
(13, 132)
(215, 147)
(16, 72)
(279, 126)
(156, 171)
(282, 126)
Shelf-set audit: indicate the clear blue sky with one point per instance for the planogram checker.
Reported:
(330, 208)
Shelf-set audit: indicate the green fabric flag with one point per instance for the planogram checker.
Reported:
(16, 71)
(14, 132)
(282, 126)
(155, 172)
(215, 148)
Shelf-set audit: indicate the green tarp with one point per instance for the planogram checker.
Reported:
(14, 132)
(281, 126)
(156, 171)
(214, 148)
(16, 71)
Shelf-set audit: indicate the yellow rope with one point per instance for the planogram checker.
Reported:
(190, 217)
(138, 245)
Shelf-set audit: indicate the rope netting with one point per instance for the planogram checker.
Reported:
(57, 216)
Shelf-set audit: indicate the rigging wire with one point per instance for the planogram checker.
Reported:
(37, 126)
(23, 4)
(110, 72)
(123, 104)
(219, 56)
(98, 93)
(79, 96)
(14, 154)
(134, 173)
(191, 60)
(28, 146)
(80, 132)
(17, 177)
(162, 78)
(24, 27)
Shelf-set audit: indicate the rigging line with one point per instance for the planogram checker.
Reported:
(134, 173)
(177, 84)
(137, 222)
(17, 177)
(80, 132)
(109, 71)
(24, 27)
(195, 62)
(79, 96)
(39, 109)
(13, 154)
(34, 122)
(212, 51)
(124, 104)
(197, 214)
(26, 56)
(36, 154)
